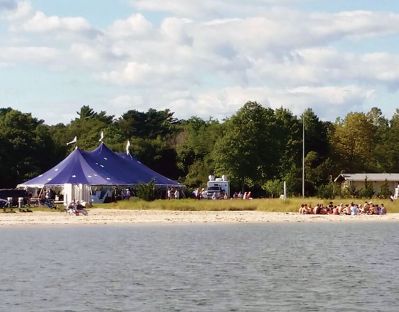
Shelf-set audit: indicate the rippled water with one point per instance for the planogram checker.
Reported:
(263, 267)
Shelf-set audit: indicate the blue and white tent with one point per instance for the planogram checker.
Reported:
(99, 167)
(82, 170)
(125, 167)
(78, 168)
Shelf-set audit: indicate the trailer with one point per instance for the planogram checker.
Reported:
(218, 186)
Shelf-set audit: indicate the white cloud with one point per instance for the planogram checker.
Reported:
(24, 18)
(175, 29)
(326, 101)
(209, 8)
(132, 73)
(332, 66)
(134, 26)
(43, 23)
(21, 10)
(7, 5)
(86, 53)
(210, 57)
(143, 74)
(122, 103)
(12, 55)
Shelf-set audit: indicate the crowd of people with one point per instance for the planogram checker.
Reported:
(239, 195)
(205, 194)
(368, 208)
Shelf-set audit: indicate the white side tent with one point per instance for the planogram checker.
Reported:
(77, 192)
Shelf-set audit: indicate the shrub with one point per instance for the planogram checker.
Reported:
(326, 191)
(273, 188)
(368, 190)
(146, 191)
(351, 192)
(385, 191)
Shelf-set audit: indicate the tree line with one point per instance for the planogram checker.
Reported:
(257, 148)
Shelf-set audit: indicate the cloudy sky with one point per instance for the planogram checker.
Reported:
(198, 57)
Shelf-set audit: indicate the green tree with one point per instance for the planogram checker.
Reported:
(353, 143)
(387, 149)
(86, 112)
(316, 135)
(27, 147)
(87, 127)
(156, 154)
(148, 124)
(385, 192)
(194, 147)
(273, 188)
(247, 150)
(288, 139)
(381, 137)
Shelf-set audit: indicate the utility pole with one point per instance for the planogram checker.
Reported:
(303, 155)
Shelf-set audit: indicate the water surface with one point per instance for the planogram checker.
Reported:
(241, 267)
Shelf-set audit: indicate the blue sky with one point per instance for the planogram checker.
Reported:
(203, 58)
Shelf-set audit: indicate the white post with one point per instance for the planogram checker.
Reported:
(303, 155)
(285, 190)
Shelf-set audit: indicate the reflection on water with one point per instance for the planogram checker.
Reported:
(259, 267)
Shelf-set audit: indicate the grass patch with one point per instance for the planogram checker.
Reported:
(268, 205)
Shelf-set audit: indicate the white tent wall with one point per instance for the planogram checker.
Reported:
(77, 192)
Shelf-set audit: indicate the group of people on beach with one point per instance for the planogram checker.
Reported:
(239, 195)
(173, 193)
(368, 208)
(77, 208)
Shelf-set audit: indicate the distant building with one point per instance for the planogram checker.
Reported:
(357, 180)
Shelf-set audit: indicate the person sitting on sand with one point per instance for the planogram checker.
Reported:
(378, 208)
(340, 208)
(323, 209)
(383, 210)
(354, 209)
(80, 209)
(365, 208)
(71, 207)
(335, 210)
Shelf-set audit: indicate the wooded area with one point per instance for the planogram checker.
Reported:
(257, 147)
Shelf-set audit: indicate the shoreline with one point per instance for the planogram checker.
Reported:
(116, 216)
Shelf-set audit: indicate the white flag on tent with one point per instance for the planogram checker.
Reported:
(127, 147)
(75, 139)
(101, 136)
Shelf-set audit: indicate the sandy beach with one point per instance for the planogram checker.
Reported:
(114, 216)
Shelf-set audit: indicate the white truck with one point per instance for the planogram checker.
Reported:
(217, 186)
